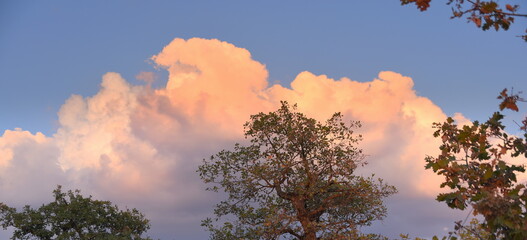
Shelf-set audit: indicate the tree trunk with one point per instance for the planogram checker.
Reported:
(310, 232)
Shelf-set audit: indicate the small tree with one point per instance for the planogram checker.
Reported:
(474, 163)
(295, 180)
(72, 216)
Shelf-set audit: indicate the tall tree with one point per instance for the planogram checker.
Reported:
(72, 216)
(475, 161)
(484, 14)
(295, 180)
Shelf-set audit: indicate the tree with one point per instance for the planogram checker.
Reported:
(295, 180)
(474, 162)
(72, 216)
(484, 14)
(474, 231)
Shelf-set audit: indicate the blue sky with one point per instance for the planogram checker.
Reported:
(56, 48)
(50, 50)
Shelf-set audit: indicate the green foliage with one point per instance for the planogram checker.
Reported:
(484, 14)
(473, 162)
(474, 231)
(295, 180)
(407, 237)
(72, 216)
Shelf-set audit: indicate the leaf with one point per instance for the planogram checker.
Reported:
(488, 174)
(444, 138)
(477, 21)
(488, 7)
(503, 94)
(423, 5)
(442, 163)
(503, 150)
(509, 103)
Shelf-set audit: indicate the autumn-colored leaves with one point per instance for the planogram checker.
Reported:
(509, 101)
(473, 161)
(423, 5)
(484, 14)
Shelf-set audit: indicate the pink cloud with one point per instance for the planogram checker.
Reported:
(140, 146)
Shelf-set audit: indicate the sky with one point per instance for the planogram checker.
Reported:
(123, 99)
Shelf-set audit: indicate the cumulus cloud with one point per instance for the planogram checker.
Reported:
(28, 167)
(213, 82)
(140, 147)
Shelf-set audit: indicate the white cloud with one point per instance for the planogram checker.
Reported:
(140, 147)
(28, 167)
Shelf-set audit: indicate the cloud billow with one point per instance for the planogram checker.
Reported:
(139, 147)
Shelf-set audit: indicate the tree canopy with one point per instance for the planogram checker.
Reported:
(475, 161)
(484, 14)
(72, 216)
(295, 180)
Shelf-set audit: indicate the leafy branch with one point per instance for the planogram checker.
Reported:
(484, 14)
(474, 161)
